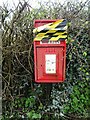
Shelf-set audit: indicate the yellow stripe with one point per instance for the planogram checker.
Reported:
(58, 33)
(39, 37)
(51, 31)
(58, 37)
(55, 24)
(40, 34)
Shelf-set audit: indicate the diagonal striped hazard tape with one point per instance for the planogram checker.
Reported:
(51, 32)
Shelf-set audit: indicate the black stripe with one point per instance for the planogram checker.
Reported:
(64, 34)
(51, 34)
(62, 39)
(62, 24)
(43, 31)
(51, 24)
(60, 31)
(46, 39)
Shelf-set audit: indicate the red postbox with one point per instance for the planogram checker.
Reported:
(50, 50)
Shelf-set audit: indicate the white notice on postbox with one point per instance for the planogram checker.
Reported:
(50, 60)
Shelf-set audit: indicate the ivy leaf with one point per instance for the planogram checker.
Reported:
(36, 116)
(84, 54)
(33, 115)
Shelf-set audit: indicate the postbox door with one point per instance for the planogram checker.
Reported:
(50, 63)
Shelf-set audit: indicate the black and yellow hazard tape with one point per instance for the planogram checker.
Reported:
(51, 32)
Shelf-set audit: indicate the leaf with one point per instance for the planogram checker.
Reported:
(41, 106)
(36, 116)
(84, 54)
(33, 115)
(75, 100)
(30, 114)
(69, 24)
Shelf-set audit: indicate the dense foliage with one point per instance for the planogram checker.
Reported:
(22, 97)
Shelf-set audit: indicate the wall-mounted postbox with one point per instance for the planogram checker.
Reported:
(50, 50)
